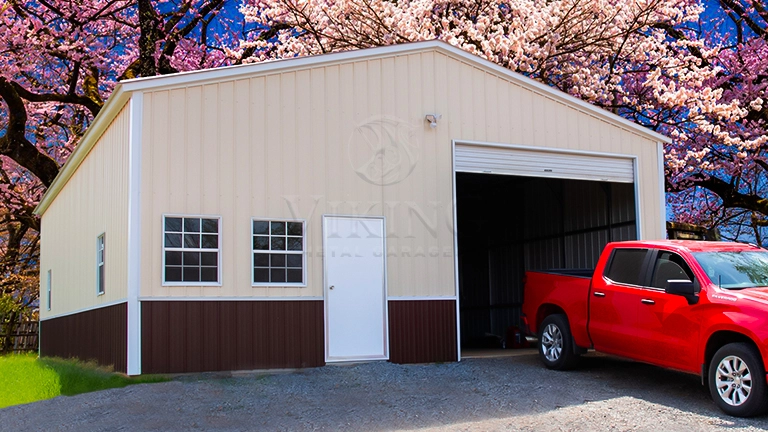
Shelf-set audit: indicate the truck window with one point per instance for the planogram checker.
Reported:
(625, 266)
(669, 266)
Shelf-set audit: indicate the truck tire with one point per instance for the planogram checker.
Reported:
(556, 348)
(737, 380)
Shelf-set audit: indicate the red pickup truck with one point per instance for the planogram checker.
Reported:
(697, 307)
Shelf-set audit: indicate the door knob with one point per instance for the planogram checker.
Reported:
(330, 287)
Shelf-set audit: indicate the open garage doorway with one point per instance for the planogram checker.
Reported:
(508, 224)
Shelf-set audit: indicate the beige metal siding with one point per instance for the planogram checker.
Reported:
(290, 145)
(94, 201)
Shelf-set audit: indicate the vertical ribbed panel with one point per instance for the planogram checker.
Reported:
(98, 334)
(422, 331)
(201, 336)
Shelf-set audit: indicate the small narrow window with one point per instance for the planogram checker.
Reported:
(278, 252)
(100, 265)
(191, 250)
(48, 290)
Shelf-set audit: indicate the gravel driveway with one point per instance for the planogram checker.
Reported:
(510, 393)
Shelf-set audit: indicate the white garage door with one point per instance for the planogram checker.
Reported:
(538, 163)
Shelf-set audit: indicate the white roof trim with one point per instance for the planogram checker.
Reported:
(124, 89)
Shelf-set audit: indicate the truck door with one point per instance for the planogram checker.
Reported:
(613, 302)
(668, 333)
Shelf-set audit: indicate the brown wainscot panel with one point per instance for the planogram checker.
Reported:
(201, 336)
(98, 334)
(422, 331)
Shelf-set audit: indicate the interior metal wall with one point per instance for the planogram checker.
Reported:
(510, 224)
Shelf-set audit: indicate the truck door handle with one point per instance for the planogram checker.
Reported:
(647, 301)
(599, 294)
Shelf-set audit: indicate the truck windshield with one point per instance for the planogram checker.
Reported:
(735, 270)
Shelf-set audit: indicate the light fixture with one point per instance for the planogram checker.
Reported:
(432, 119)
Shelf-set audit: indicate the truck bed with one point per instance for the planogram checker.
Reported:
(566, 290)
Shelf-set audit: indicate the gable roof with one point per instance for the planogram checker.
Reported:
(123, 91)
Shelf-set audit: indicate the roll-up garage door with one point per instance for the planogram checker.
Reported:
(537, 163)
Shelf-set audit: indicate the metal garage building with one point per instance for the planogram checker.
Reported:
(378, 204)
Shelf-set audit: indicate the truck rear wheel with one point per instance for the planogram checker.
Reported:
(556, 348)
(737, 380)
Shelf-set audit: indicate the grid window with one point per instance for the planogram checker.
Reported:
(191, 250)
(100, 264)
(278, 252)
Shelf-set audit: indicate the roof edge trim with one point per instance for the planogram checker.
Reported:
(109, 111)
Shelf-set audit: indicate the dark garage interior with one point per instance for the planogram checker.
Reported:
(509, 224)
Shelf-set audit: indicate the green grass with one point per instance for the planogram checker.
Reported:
(25, 378)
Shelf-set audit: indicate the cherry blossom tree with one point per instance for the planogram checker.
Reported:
(60, 61)
(666, 64)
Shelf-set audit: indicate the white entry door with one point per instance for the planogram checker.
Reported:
(355, 288)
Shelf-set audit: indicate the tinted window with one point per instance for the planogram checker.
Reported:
(625, 266)
(669, 266)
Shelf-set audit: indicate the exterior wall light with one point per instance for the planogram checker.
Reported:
(432, 119)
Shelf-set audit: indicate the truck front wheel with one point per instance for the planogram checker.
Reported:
(556, 344)
(737, 380)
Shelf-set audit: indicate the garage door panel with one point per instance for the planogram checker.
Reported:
(533, 163)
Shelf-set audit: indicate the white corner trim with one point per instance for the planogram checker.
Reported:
(455, 249)
(662, 189)
(134, 234)
(638, 202)
(85, 309)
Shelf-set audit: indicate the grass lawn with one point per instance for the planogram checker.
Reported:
(25, 378)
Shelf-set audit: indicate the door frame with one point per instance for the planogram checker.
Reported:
(385, 291)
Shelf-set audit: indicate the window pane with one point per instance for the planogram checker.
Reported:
(209, 258)
(191, 274)
(210, 225)
(191, 258)
(173, 274)
(278, 228)
(210, 241)
(294, 276)
(294, 260)
(101, 279)
(261, 243)
(173, 258)
(294, 243)
(173, 240)
(277, 275)
(278, 243)
(295, 228)
(260, 227)
(173, 224)
(191, 240)
(192, 225)
(209, 274)
(277, 260)
(261, 275)
(626, 265)
(260, 260)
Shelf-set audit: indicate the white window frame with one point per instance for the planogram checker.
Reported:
(218, 283)
(100, 266)
(303, 253)
(48, 289)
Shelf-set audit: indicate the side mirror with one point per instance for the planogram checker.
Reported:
(683, 287)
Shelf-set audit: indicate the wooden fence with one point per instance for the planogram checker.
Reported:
(18, 333)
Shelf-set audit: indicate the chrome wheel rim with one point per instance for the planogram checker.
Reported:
(733, 380)
(551, 342)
